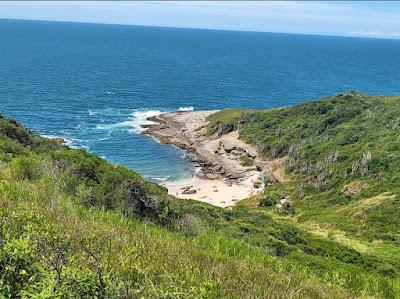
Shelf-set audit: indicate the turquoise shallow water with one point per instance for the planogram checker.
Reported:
(95, 84)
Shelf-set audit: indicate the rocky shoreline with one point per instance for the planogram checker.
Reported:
(231, 170)
(219, 156)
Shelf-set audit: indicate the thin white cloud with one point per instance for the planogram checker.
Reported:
(331, 18)
(375, 33)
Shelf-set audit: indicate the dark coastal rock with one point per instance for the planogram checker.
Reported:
(217, 167)
(59, 140)
(236, 152)
(189, 191)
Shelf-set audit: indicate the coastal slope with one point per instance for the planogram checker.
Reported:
(73, 225)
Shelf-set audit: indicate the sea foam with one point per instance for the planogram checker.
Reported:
(190, 108)
(133, 123)
(67, 141)
(140, 118)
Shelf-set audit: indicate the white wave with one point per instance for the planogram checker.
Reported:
(160, 179)
(154, 138)
(70, 142)
(49, 136)
(141, 118)
(104, 138)
(67, 141)
(133, 124)
(104, 111)
(197, 169)
(109, 127)
(83, 146)
(75, 143)
(190, 108)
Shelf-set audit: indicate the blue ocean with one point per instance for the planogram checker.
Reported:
(94, 85)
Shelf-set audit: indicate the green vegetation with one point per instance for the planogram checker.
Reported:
(246, 160)
(343, 167)
(224, 121)
(75, 226)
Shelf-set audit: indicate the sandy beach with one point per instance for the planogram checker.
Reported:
(223, 179)
(217, 192)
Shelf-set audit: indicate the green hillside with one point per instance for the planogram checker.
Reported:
(76, 226)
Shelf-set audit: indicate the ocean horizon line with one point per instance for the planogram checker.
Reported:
(204, 29)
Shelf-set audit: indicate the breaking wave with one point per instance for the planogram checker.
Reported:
(190, 108)
(133, 123)
(70, 142)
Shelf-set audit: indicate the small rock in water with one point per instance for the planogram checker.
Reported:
(59, 140)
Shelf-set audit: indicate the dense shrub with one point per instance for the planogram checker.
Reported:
(25, 168)
(267, 202)
(19, 267)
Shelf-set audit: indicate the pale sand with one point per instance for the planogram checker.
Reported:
(224, 197)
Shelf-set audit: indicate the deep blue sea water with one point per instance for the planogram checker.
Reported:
(95, 84)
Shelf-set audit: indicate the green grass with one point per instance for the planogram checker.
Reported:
(224, 121)
(246, 160)
(332, 144)
(343, 168)
(75, 226)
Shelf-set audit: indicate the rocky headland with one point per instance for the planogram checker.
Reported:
(227, 163)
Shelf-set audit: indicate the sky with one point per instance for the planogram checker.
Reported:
(376, 19)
